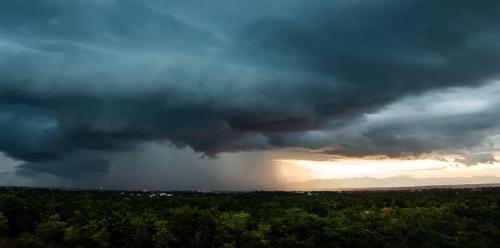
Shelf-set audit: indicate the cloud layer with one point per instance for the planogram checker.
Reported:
(82, 79)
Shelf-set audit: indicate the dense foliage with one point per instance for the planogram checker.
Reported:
(428, 218)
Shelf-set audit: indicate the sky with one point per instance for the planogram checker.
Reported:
(247, 95)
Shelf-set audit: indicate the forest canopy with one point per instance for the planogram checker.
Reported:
(427, 218)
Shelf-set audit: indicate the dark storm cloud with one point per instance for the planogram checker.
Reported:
(460, 121)
(381, 51)
(76, 166)
(105, 76)
(119, 24)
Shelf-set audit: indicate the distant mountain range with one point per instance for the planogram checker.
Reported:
(398, 182)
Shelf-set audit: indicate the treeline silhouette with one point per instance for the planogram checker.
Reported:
(427, 218)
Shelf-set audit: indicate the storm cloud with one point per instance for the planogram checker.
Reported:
(82, 79)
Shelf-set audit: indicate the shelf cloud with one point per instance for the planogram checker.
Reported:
(82, 79)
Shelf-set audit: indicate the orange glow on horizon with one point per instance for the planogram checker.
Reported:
(296, 170)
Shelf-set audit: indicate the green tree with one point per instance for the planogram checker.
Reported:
(52, 230)
(162, 237)
(296, 228)
(231, 228)
(4, 225)
(27, 240)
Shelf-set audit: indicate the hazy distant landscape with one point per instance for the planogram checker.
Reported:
(396, 182)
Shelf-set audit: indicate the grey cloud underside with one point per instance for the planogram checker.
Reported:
(90, 77)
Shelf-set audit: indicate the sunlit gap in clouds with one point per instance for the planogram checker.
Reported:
(298, 170)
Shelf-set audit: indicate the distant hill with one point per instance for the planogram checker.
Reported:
(398, 182)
